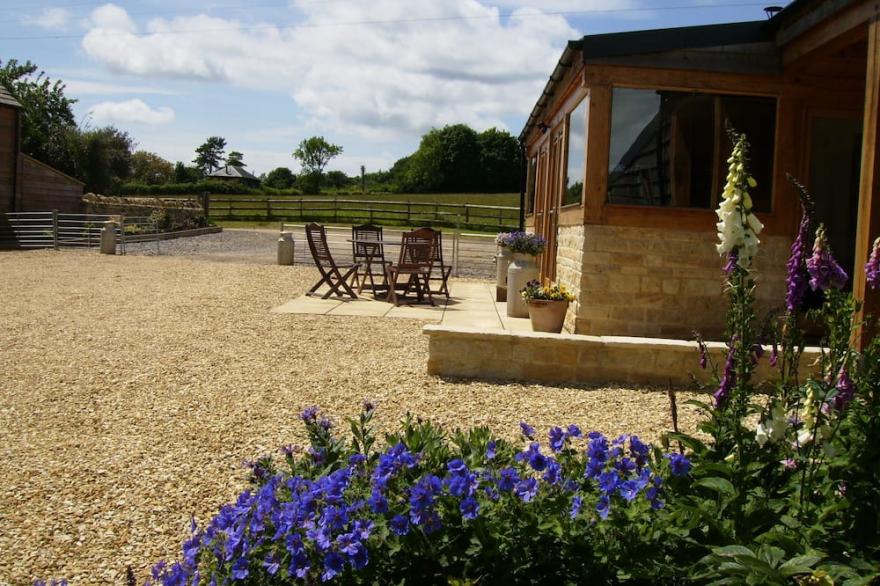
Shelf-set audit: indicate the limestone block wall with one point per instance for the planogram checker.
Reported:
(656, 282)
(569, 267)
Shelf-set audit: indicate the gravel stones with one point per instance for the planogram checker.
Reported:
(133, 388)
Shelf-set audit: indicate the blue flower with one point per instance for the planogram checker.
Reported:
(534, 456)
(377, 501)
(527, 489)
(490, 450)
(333, 565)
(240, 569)
(625, 465)
(557, 438)
(603, 506)
(679, 465)
(527, 430)
(594, 468)
(432, 523)
(574, 431)
(576, 504)
(457, 466)
(553, 472)
(399, 525)
(470, 508)
(629, 490)
(509, 478)
(309, 414)
(608, 481)
(356, 459)
(271, 564)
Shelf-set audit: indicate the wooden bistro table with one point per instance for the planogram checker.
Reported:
(371, 248)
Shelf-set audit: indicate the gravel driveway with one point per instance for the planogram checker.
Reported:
(133, 388)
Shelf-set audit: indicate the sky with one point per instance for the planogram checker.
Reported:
(369, 75)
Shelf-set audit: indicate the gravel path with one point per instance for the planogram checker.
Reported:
(133, 388)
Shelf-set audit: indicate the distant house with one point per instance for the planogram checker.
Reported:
(627, 152)
(26, 184)
(233, 173)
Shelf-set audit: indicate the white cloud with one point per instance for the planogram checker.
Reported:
(130, 112)
(49, 18)
(454, 61)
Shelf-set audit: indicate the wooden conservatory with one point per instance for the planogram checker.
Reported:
(627, 147)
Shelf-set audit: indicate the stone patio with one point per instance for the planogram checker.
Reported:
(472, 305)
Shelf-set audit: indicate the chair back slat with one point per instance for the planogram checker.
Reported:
(361, 250)
(317, 237)
(417, 250)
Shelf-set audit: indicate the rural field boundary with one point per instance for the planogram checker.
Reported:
(338, 210)
(31, 230)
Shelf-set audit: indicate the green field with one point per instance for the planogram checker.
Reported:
(482, 212)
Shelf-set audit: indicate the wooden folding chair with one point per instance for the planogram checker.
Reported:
(368, 249)
(440, 271)
(330, 271)
(415, 263)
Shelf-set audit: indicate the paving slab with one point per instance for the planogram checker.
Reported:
(364, 307)
(308, 305)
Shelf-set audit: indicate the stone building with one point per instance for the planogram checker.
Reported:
(626, 155)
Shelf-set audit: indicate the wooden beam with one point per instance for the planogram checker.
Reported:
(831, 33)
(597, 150)
(869, 185)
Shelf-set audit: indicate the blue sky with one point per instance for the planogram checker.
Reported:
(370, 75)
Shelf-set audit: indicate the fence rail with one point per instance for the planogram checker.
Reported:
(352, 211)
(28, 230)
(470, 255)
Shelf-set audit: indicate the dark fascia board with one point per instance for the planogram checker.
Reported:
(802, 15)
(673, 39)
(566, 61)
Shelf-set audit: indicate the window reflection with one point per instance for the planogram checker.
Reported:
(670, 148)
(574, 174)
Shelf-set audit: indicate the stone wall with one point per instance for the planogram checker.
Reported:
(574, 359)
(655, 282)
(569, 267)
(171, 215)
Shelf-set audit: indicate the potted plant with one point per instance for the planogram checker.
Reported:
(523, 268)
(547, 306)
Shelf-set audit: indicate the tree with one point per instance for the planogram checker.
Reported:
(337, 179)
(150, 168)
(448, 159)
(186, 174)
(104, 158)
(499, 161)
(210, 154)
(313, 154)
(234, 159)
(48, 126)
(280, 178)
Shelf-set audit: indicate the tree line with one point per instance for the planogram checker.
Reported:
(452, 159)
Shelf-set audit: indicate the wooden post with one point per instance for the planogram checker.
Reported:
(268, 208)
(408, 218)
(55, 229)
(598, 144)
(467, 214)
(868, 227)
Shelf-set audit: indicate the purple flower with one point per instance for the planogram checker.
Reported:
(574, 431)
(271, 564)
(490, 450)
(509, 478)
(527, 489)
(576, 504)
(679, 465)
(789, 464)
(824, 271)
(377, 501)
(470, 508)
(704, 351)
(368, 406)
(399, 525)
(240, 569)
(533, 455)
(608, 481)
(603, 506)
(728, 379)
(527, 430)
(309, 414)
(846, 390)
(796, 279)
(732, 260)
(872, 268)
(333, 566)
(553, 472)
(557, 439)
(629, 490)
(774, 355)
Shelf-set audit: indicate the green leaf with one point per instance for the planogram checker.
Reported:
(732, 550)
(799, 565)
(719, 485)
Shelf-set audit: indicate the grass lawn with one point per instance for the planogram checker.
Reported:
(486, 199)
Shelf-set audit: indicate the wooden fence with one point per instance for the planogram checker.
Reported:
(358, 211)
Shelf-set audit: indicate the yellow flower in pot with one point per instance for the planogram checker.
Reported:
(547, 306)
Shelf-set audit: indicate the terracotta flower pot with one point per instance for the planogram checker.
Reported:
(546, 315)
